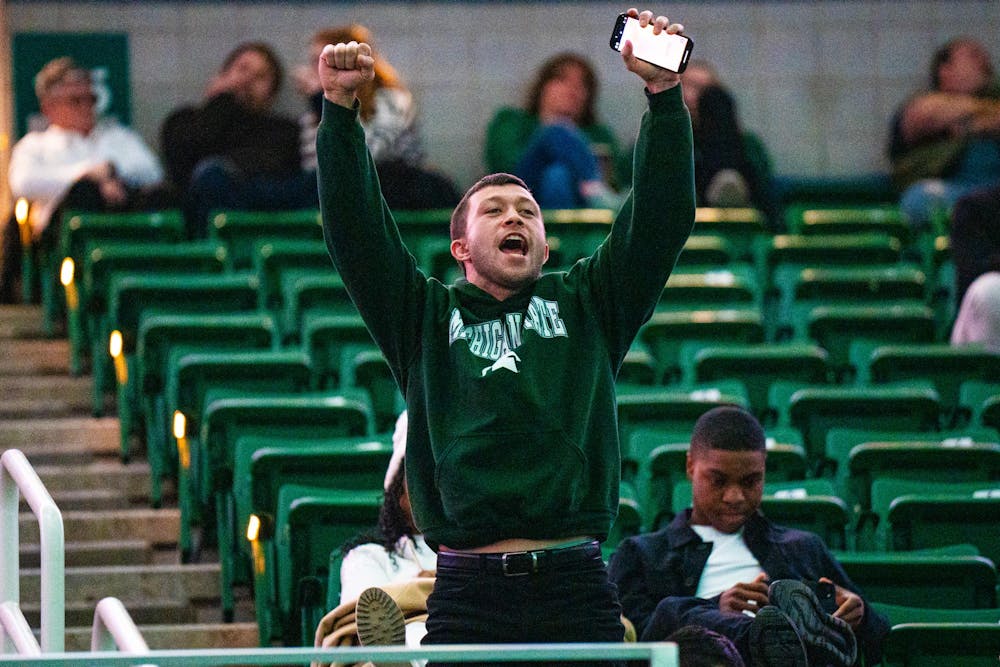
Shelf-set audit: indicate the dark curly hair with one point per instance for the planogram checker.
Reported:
(393, 521)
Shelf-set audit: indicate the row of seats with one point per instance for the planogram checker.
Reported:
(252, 440)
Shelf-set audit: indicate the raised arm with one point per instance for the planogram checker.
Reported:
(364, 243)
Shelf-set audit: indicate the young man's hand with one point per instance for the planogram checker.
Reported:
(850, 606)
(745, 596)
(657, 79)
(343, 68)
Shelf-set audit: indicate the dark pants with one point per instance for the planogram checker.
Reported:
(564, 604)
(674, 613)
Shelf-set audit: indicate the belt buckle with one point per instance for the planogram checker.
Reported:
(505, 561)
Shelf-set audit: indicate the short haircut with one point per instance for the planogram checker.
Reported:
(267, 53)
(697, 646)
(728, 427)
(552, 69)
(459, 217)
(57, 72)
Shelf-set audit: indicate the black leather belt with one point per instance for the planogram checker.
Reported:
(520, 563)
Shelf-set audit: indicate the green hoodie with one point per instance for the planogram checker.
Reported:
(513, 429)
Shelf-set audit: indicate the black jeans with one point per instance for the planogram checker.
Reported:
(573, 603)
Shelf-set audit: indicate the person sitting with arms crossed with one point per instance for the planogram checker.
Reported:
(513, 461)
(723, 565)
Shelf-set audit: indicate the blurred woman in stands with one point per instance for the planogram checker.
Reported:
(389, 118)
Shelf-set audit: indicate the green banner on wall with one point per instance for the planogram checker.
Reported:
(104, 54)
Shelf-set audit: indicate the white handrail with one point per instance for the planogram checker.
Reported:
(17, 475)
(114, 629)
(16, 631)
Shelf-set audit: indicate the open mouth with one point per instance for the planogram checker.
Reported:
(515, 244)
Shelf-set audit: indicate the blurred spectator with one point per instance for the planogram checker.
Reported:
(79, 161)
(232, 151)
(389, 117)
(944, 141)
(975, 237)
(697, 646)
(978, 319)
(731, 167)
(555, 143)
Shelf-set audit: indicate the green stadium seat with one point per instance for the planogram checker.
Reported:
(363, 366)
(945, 365)
(918, 580)
(921, 514)
(942, 645)
(979, 403)
(325, 335)
(801, 289)
(206, 470)
(264, 464)
(900, 613)
(800, 251)
(193, 372)
(740, 226)
(141, 398)
(102, 259)
(272, 257)
(814, 410)
(638, 367)
(758, 367)
(666, 331)
(706, 251)
(311, 522)
(730, 287)
(841, 441)
(81, 229)
(836, 328)
(241, 231)
(305, 291)
(129, 294)
(884, 219)
(950, 460)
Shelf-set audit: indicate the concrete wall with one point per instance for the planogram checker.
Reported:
(817, 80)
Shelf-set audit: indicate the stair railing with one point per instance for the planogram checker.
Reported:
(18, 477)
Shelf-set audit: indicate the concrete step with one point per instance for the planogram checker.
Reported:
(70, 435)
(94, 553)
(158, 527)
(47, 357)
(44, 396)
(91, 500)
(21, 321)
(152, 612)
(177, 637)
(131, 479)
(133, 583)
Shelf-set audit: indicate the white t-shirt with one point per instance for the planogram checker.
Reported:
(368, 565)
(730, 562)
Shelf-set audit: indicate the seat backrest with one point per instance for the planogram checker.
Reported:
(272, 257)
(310, 523)
(80, 228)
(943, 645)
(242, 230)
(923, 581)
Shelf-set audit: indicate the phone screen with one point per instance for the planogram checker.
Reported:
(666, 50)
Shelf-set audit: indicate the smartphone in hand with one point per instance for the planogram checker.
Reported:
(669, 51)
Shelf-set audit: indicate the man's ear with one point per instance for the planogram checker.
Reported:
(546, 258)
(460, 250)
(689, 465)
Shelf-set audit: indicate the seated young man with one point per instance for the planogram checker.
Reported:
(723, 565)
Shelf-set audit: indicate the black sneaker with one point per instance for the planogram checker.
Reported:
(774, 640)
(829, 641)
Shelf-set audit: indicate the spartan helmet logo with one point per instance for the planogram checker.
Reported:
(507, 360)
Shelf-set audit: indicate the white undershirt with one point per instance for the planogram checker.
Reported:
(730, 562)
